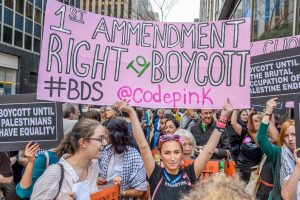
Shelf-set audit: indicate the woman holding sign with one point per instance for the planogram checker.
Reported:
(169, 181)
(78, 167)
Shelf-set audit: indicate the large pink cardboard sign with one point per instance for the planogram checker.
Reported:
(93, 59)
(274, 45)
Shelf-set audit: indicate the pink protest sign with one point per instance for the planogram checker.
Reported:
(93, 59)
(273, 45)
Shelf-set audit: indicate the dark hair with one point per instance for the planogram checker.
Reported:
(114, 108)
(175, 122)
(118, 134)
(68, 108)
(92, 114)
(85, 128)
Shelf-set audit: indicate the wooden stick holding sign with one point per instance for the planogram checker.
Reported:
(107, 192)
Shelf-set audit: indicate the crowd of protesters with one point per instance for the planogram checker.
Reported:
(117, 144)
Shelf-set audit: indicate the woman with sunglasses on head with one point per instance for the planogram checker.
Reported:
(170, 181)
(84, 145)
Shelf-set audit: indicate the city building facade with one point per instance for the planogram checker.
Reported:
(21, 25)
(270, 18)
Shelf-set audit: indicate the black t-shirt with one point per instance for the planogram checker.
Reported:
(165, 190)
(250, 153)
(5, 167)
(267, 176)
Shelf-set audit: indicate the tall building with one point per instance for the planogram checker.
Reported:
(270, 18)
(21, 25)
(128, 9)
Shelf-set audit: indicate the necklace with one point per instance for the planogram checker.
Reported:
(169, 178)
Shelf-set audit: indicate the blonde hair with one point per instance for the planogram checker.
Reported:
(219, 187)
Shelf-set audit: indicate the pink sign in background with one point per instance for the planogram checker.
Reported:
(94, 59)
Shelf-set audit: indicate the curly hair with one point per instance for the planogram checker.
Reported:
(219, 187)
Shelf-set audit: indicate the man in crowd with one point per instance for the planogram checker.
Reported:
(203, 130)
(70, 116)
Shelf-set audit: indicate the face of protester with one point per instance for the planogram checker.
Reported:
(206, 116)
(110, 113)
(94, 145)
(244, 116)
(290, 137)
(187, 147)
(102, 114)
(171, 156)
(170, 128)
(256, 121)
(160, 114)
(191, 112)
(75, 116)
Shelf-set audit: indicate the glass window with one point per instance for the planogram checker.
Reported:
(242, 10)
(9, 3)
(37, 30)
(67, 2)
(7, 34)
(116, 8)
(18, 38)
(72, 3)
(29, 10)
(272, 19)
(28, 41)
(102, 7)
(38, 16)
(20, 6)
(8, 16)
(0, 13)
(109, 8)
(19, 21)
(39, 3)
(36, 46)
(8, 79)
(28, 26)
(31, 1)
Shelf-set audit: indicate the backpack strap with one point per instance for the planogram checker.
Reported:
(62, 175)
(156, 188)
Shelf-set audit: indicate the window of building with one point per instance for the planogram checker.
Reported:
(122, 8)
(19, 21)
(90, 6)
(8, 17)
(20, 6)
(109, 8)
(67, 2)
(72, 3)
(28, 26)
(31, 1)
(129, 9)
(18, 38)
(37, 30)
(38, 16)
(28, 41)
(7, 34)
(39, 3)
(84, 4)
(29, 10)
(242, 10)
(36, 45)
(116, 8)
(9, 3)
(96, 6)
(0, 13)
(8, 80)
(272, 19)
(102, 7)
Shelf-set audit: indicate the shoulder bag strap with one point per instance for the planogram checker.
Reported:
(156, 188)
(47, 158)
(62, 174)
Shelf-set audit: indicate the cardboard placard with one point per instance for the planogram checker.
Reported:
(107, 192)
(23, 118)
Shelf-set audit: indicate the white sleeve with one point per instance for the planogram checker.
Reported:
(46, 187)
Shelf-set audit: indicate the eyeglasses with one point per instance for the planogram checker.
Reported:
(169, 137)
(102, 137)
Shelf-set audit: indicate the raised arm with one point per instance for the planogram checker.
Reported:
(251, 128)
(139, 136)
(213, 141)
(235, 125)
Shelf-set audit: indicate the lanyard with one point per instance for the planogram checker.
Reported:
(169, 179)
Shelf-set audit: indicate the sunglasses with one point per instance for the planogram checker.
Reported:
(169, 137)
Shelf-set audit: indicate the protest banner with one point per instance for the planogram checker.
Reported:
(24, 119)
(274, 45)
(297, 118)
(275, 75)
(94, 59)
(107, 192)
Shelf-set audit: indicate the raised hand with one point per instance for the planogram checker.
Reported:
(117, 180)
(30, 151)
(270, 105)
(124, 107)
(227, 109)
